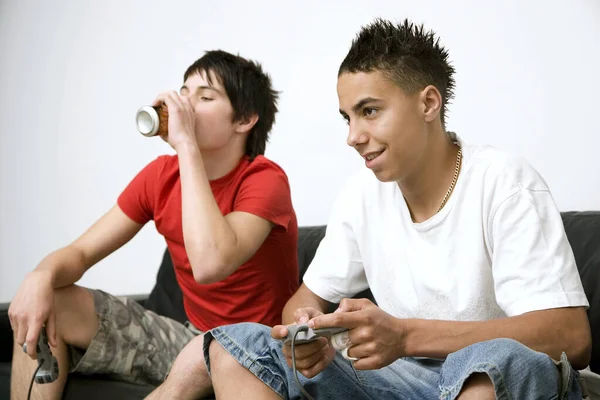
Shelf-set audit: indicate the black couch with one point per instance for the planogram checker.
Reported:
(583, 231)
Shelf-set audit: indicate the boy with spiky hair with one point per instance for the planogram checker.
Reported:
(462, 246)
(226, 214)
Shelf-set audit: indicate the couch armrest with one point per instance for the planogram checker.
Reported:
(6, 335)
(140, 298)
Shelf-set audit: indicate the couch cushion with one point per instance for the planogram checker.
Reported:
(6, 335)
(583, 232)
(166, 297)
(309, 238)
(4, 380)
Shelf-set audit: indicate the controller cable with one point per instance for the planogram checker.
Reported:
(32, 380)
(304, 392)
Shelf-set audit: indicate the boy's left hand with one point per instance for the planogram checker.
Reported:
(376, 338)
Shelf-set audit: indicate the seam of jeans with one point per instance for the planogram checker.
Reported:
(359, 377)
(363, 382)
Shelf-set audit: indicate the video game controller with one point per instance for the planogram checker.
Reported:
(48, 366)
(307, 335)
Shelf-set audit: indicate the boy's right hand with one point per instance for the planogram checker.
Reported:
(33, 306)
(311, 358)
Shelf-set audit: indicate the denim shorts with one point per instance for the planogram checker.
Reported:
(132, 343)
(516, 371)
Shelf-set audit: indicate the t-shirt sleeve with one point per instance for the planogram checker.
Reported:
(137, 200)
(265, 192)
(337, 271)
(533, 263)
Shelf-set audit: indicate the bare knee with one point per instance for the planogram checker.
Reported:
(188, 378)
(220, 359)
(477, 386)
(75, 314)
(193, 356)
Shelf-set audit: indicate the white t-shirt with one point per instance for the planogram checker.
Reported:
(498, 247)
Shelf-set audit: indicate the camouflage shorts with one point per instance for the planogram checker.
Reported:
(132, 343)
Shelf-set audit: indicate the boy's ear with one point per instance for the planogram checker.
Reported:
(431, 101)
(246, 124)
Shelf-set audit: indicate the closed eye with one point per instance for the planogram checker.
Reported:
(204, 98)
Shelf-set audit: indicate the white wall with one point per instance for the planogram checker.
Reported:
(73, 73)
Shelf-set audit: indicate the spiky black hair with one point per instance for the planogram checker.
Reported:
(406, 53)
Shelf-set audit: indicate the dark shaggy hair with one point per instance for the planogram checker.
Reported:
(407, 54)
(249, 90)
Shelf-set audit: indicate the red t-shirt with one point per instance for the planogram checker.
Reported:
(258, 290)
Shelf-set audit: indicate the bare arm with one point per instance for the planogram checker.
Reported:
(548, 331)
(216, 245)
(33, 304)
(303, 298)
(68, 264)
(387, 338)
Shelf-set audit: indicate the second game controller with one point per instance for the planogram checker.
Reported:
(48, 366)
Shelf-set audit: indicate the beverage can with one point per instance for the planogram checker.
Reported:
(152, 121)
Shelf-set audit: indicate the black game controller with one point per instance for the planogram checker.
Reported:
(307, 335)
(47, 371)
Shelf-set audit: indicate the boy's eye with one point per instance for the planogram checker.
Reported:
(203, 98)
(369, 112)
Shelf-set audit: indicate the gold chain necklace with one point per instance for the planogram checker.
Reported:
(456, 169)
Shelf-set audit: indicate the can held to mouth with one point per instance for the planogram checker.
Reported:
(152, 121)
